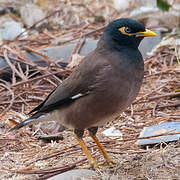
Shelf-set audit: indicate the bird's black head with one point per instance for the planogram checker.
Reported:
(125, 32)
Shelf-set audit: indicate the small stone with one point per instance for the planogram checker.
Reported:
(75, 174)
(121, 4)
(112, 132)
(31, 14)
(152, 3)
(8, 34)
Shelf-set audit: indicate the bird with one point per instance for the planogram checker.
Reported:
(101, 87)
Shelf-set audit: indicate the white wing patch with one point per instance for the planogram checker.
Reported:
(77, 96)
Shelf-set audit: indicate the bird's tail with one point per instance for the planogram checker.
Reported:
(25, 122)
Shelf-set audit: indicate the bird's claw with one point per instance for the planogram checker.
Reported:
(111, 162)
(94, 166)
(101, 166)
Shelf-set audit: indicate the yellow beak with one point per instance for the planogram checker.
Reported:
(146, 33)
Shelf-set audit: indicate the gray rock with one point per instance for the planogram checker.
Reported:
(149, 43)
(63, 52)
(166, 127)
(121, 4)
(76, 174)
(143, 11)
(30, 14)
(11, 29)
(152, 3)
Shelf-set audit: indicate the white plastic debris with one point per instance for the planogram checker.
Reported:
(112, 132)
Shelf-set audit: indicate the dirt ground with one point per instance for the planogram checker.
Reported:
(24, 156)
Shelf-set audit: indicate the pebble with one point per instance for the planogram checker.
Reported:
(75, 174)
(30, 14)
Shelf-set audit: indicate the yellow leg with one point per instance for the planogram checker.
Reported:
(87, 153)
(102, 150)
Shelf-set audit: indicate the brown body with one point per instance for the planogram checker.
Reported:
(112, 83)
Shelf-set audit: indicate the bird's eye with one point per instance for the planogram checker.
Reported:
(127, 29)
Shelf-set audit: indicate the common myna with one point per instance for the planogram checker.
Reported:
(105, 83)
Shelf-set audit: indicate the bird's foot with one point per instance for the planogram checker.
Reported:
(108, 158)
(104, 165)
(100, 166)
(95, 166)
(111, 162)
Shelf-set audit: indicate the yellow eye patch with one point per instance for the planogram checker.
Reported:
(146, 33)
(122, 30)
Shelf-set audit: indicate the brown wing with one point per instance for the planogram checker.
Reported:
(80, 83)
